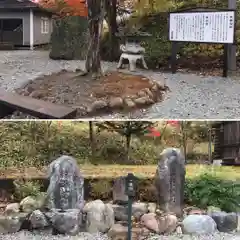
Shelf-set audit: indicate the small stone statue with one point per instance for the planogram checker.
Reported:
(170, 180)
(66, 187)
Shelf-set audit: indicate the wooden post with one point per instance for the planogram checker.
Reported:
(232, 48)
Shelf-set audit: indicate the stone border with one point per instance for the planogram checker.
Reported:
(143, 98)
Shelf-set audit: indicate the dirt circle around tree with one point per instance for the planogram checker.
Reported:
(115, 91)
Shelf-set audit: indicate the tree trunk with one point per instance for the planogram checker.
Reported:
(91, 138)
(184, 140)
(128, 144)
(128, 135)
(96, 16)
(111, 10)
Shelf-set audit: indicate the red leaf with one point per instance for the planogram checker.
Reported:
(154, 133)
(173, 122)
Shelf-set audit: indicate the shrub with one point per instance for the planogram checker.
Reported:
(24, 188)
(69, 38)
(209, 190)
(157, 46)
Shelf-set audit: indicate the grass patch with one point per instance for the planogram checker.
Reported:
(113, 171)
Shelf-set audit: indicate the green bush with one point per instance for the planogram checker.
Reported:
(38, 143)
(158, 48)
(209, 190)
(69, 38)
(24, 188)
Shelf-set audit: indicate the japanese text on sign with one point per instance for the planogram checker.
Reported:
(205, 27)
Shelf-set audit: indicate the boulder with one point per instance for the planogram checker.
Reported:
(159, 224)
(143, 101)
(97, 105)
(116, 102)
(12, 224)
(226, 222)
(38, 220)
(199, 224)
(12, 208)
(170, 180)
(129, 103)
(29, 204)
(121, 212)
(152, 207)
(66, 187)
(138, 209)
(142, 93)
(119, 232)
(65, 221)
(119, 196)
(99, 216)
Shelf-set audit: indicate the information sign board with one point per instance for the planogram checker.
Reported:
(202, 27)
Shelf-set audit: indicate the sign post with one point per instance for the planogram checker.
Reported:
(130, 192)
(211, 27)
(232, 48)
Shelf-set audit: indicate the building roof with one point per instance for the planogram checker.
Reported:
(18, 4)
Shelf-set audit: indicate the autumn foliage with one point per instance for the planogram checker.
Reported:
(66, 7)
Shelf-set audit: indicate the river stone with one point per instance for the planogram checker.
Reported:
(12, 208)
(199, 224)
(121, 212)
(12, 224)
(29, 204)
(66, 187)
(119, 196)
(116, 102)
(143, 100)
(226, 222)
(38, 220)
(159, 224)
(170, 180)
(99, 216)
(65, 221)
(120, 232)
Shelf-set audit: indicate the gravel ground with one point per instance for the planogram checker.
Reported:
(23, 235)
(191, 96)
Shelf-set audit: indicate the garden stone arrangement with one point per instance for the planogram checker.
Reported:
(62, 213)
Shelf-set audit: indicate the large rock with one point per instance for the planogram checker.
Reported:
(119, 196)
(119, 232)
(38, 220)
(159, 224)
(226, 222)
(170, 180)
(99, 216)
(29, 204)
(12, 208)
(66, 187)
(121, 212)
(65, 222)
(11, 224)
(199, 224)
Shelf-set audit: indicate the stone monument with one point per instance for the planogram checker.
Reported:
(119, 195)
(66, 190)
(170, 180)
(65, 195)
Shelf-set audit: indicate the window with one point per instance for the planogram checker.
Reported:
(44, 25)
